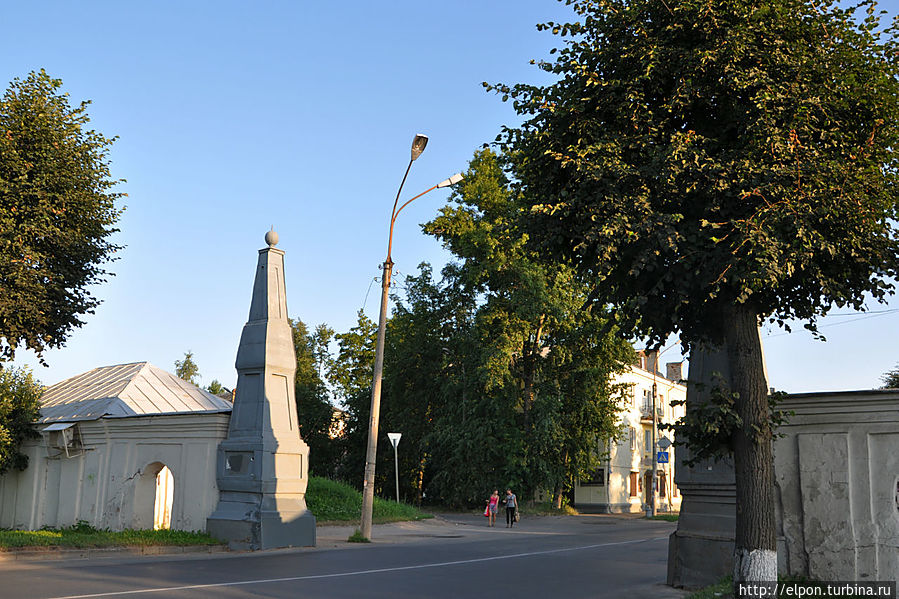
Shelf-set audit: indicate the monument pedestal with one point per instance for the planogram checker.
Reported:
(701, 550)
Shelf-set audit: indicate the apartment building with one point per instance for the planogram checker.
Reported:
(623, 482)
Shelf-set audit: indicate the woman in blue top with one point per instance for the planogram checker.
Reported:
(511, 503)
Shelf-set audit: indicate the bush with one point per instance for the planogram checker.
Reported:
(20, 402)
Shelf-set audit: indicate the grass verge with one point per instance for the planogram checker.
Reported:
(357, 537)
(722, 589)
(339, 503)
(83, 536)
(546, 508)
(665, 517)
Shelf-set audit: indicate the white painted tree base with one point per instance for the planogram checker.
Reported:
(755, 565)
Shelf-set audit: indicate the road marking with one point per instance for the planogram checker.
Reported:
(353, 573)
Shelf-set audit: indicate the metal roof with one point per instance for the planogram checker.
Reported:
(123, 390)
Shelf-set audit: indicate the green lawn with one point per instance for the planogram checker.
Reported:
(666, 517)
(336, 502)
(82, 536)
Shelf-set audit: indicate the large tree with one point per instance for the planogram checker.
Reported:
(187, 369)
(350, 375)
(546, 361)
(713, 163)
(57, 213)
(314, 410)
(449, 446)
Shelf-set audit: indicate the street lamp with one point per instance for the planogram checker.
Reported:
(395, 440)
(368, 484)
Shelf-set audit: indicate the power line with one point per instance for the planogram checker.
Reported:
(867, 315)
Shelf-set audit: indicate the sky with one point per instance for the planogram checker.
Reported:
(233, 117)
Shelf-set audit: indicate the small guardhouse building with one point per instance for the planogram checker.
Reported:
(124, 446)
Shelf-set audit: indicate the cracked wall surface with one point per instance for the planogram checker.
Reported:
(836, 469)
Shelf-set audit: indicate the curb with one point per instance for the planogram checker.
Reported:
(58, 553)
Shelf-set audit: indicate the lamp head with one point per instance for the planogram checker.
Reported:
(418, 145)
(451, 181)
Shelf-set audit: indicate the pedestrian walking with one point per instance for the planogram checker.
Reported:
(511, 503)
(492, 506)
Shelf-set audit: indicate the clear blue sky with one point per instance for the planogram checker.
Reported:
(235, 116)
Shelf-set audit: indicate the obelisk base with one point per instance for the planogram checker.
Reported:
(250, 522)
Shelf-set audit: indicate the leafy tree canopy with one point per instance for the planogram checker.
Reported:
(891, 379)
(187, 369)
(315, 413)
(57, 213)
(694, 155)
(215, 387)
(20, 404)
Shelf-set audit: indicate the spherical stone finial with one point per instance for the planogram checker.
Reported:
(271, 238)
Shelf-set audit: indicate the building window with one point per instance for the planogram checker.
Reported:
(663, 486)
(633, 434)
(597, 478)
(647, 441)
(634, 482)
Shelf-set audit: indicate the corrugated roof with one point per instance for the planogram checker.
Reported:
(125, 390)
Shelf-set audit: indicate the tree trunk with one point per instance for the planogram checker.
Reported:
(557, 492)
(420, 479)
(755, 546)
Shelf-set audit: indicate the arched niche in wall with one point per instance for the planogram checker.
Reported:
(153, 497)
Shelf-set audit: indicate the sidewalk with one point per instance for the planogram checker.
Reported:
(437, 527)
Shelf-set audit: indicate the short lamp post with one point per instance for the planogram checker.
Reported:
(395, 440)
(368, 484)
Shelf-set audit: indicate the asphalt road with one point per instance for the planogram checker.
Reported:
(449, 557)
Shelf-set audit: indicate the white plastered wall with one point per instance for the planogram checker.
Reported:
(110, 481)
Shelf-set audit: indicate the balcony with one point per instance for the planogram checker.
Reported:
(646, 413)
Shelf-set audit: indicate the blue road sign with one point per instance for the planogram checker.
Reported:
(662, 457)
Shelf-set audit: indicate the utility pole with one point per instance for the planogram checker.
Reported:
(655, 454)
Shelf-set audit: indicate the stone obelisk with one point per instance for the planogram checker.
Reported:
(263, 463)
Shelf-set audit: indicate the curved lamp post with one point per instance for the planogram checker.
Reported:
(368, 485)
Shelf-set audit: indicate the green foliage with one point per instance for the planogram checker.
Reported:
(703, 154)
(709, 427)
(314, 410)
(666, 517)
(350, 375)
(358, 537)
(20, 402)
(891, 379)
(495, 375)
(332, 501)
(187, 369)
(57, 212)
(723, 589)
(215, 388)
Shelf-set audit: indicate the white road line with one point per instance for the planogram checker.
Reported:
(354, 573)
